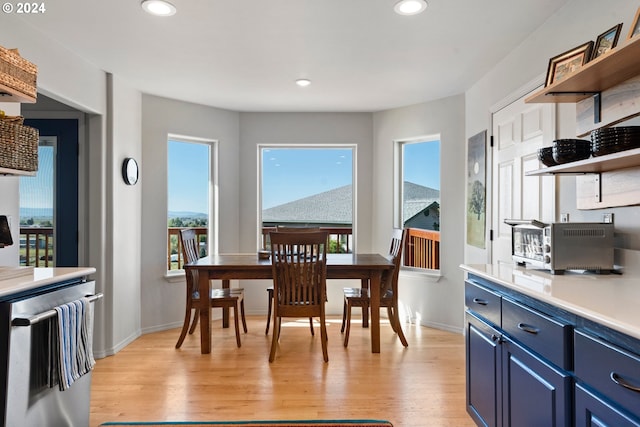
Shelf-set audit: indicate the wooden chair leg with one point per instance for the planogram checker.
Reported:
(185, 327)
(391, 315)
(397, 327)
(365, 316)
(348, 327)
(344, 316)
(274, 339)
(324, 338)
(270, 292)
(244, 320)
(311, 326)
(236, 324)
(194, 322)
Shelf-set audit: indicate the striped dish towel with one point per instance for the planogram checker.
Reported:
(75, 341)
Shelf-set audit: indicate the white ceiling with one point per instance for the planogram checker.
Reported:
(245, 55)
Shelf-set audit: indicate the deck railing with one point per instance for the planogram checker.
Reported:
(340, 241)
(175, 259)
(36, 246)
(422, 248)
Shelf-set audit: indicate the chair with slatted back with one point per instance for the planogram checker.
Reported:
(360, 297)
(270, 288)
(220, 298)
(299, 267)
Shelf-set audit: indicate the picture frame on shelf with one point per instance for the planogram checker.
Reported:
(562, 65)
(634, 31)
(606, 41)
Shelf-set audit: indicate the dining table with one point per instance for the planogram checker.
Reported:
(368, 267)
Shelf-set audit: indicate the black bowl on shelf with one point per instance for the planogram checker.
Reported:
(570, 150)
(545, 155)
(611, 140)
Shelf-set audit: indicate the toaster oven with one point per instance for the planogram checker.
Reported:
(562, 246)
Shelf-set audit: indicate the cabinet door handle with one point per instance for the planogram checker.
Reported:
(623, 383)
(528, 328)
(480, 301)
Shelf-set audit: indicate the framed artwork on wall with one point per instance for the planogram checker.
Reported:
(476, 189)
(606, 41)
(635, 26)
(562, 65)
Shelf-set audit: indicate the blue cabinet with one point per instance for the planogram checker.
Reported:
(608, 377)
(593, 410)
(483, 366)
(509, 381)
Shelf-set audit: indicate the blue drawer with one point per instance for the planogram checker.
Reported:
(545, 335)
(610, 370)
(482, 301)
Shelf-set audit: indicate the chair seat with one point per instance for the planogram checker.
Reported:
(223, 293)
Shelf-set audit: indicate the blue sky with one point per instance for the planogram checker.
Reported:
(288, 174)
(37, 191)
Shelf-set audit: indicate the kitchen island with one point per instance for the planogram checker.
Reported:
(31, 393)
(547, 349)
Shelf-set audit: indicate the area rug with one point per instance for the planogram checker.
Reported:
(263, 423)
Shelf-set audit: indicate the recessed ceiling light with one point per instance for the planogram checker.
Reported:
(158, 7)
(303, 82)
(410, 7)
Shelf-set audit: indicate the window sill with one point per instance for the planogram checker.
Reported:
(174, 276)
(431, 275)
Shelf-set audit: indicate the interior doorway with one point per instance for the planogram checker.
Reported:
(49, 200)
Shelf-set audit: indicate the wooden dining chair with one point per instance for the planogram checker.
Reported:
(220, 298)
(298, 261)
(270, 288)
(360, 297)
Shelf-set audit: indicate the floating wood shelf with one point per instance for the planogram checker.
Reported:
(10, 95)
(7, 171)
(606, 163)
(605, 72)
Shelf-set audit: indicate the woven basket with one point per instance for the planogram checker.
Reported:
(17, 73)
(18, 146)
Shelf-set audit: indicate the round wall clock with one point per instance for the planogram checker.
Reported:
(130, 171)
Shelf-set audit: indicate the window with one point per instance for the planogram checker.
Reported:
(418, 200)
(36, 209)
(308, 186)
(190, 198)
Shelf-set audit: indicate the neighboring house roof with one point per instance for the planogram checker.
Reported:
(417, 197)
(313, 209)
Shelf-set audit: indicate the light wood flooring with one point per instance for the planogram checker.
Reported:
(420, 386)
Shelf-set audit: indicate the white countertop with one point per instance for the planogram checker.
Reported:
(24, 279)
(612, 300)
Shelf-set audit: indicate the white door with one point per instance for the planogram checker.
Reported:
(519, 129)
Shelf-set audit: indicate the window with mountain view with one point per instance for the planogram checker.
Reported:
(189, 172)
(303, 186)
(419, 200)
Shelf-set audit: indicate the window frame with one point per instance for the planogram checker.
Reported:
(212, 192)
(354, 155)
(398, 190)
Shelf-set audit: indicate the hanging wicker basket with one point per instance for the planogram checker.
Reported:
(17, 75)
(18, 146)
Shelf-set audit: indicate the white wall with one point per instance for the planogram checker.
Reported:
(162, 299)
(123, 244)
(576, 23)
(427, 300)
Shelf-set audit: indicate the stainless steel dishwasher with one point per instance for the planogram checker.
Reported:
(30, 394)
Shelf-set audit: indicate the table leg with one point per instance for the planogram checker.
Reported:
(226, 284)
(204, 286)
(374, 289)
